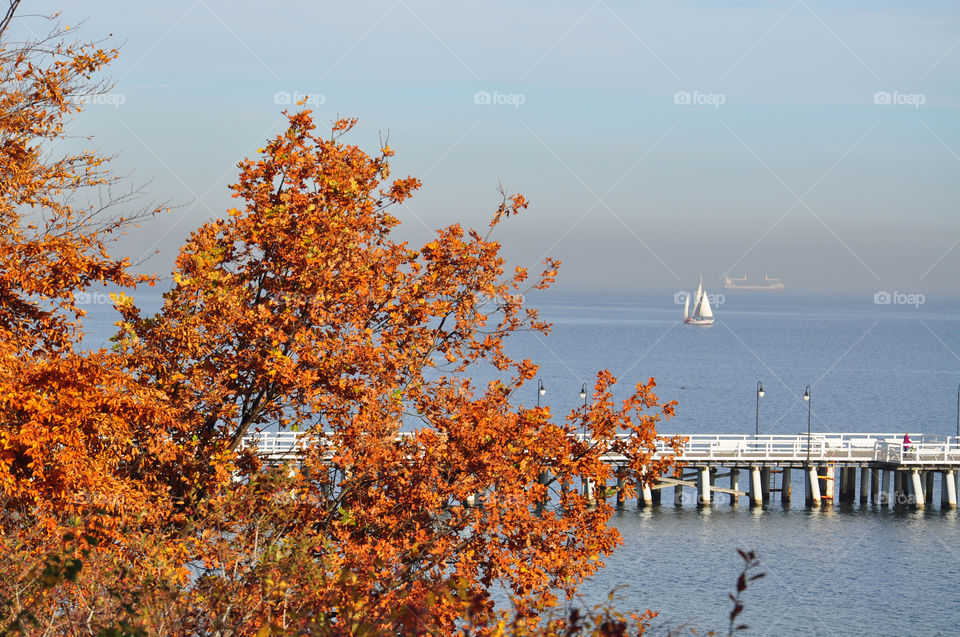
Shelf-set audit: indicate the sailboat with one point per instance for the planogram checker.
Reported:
(702, 314)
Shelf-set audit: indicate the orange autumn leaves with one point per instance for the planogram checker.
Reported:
(86, 449)
(297, 310)
(55, 403)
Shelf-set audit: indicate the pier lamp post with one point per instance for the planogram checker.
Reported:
(583, 397)
(958, 411)
(759, 396)
(806, 397)
(541, 390)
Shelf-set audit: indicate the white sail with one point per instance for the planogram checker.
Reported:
(704, 310)
(686, 307)
(698, 300)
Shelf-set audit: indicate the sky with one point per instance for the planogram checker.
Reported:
(817, 142)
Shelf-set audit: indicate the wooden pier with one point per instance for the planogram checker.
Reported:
(730, 467)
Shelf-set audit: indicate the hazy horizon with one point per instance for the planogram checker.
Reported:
(815, 143)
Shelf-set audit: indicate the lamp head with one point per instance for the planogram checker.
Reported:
(760, 391)
(542, 390)
(583, 391)
(806, 394)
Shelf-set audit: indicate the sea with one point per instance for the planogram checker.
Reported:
(874, 363)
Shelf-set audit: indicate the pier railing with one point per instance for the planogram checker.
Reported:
(945, 450)
(823, 447)
(923, 449)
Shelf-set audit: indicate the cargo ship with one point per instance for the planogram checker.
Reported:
(730, 283)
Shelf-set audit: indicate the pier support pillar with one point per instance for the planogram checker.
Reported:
(885, 488)
(589, 492)
(703, 486)
(848, 482)
(813, 486)
(646, 496)
(765, 484)
(619, 490)
(678, 495)
(865, 477)
(734, 485)
(875, 486)
(756, 487)
(786, 485)
(948, 490)
(827, 488)
(916, 490)
(657, 495)
(928, 488)
(898, 496)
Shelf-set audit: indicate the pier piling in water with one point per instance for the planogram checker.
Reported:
(756, 487)
(704, 484)
(786, 485)
(765, 484)
(948, 490)
(917, 498)
(812, 486)
(646, 495)
(734, 485)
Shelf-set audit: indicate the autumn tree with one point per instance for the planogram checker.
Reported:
(298, 311)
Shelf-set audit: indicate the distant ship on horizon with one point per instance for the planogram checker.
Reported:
(730, 283)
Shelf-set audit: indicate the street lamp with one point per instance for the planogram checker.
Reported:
(583, 397)
(958, 411)
(806, 397)
(759, 396)
(540, 392)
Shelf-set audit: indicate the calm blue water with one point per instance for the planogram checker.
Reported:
(849, 570)
(846, 570)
